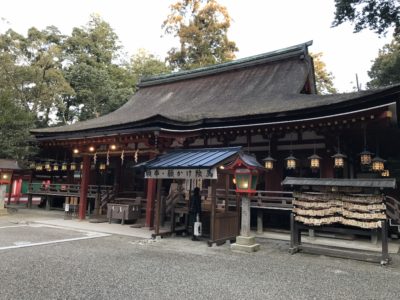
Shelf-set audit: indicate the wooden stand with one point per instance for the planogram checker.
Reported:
(296, 245)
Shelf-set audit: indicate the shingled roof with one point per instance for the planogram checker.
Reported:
(269, 84)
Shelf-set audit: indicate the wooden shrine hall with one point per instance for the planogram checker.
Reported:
(266, 104)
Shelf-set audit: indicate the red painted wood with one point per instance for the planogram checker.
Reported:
(151, 194)
(84, 187)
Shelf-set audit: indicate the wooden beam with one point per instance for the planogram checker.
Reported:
(213, 205)
(84, 187)
(158, 209)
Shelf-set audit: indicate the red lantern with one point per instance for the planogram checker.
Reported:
(246, 170)
(246, 180)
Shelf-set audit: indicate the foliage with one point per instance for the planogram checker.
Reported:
(385, 69)
(201, 26)
(323, 78)
(144, 64)
(15, 122)
(377, 15)
(62, 79)
(32, 68)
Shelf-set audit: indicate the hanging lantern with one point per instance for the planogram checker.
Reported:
(113, 147)
(269, 162)
(365, 158)
(92, 148)
(64, 166)
(75, 151)
(47, 166)
(291, 162)
(234, 180)
(39, 167)
(385, 173)
(314, 161)
(56, 167)
(378, 164)
(72, 167)
(102, 166)
(32, 165)
(339, 160)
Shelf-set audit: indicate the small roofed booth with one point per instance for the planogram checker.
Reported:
(200, 168)
(351, 205)
(12, 179)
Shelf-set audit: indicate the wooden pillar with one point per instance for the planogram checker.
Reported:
(227, 183)
(260, 214)
(158, 209)
(10, 188)
(213, 205)
(151, 192)
(327, 168)
(18, 186)
(30, 196)
(84, 187)
(150, 195)
(385, 243)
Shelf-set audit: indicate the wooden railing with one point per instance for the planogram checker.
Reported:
(261, 199)
(393, 209)
(69, 190)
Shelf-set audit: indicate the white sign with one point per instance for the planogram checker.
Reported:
(182, 173)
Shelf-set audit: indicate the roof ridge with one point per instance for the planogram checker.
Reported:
(270, 56)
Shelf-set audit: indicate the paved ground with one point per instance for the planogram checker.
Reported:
(125, 267)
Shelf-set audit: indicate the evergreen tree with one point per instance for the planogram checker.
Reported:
(202, 27)
(385, 69)
(377, 15)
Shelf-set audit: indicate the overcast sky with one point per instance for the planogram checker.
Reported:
(258, 26)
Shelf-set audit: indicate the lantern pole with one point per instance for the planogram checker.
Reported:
(245, 242)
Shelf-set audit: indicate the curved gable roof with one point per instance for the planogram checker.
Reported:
(241, 87)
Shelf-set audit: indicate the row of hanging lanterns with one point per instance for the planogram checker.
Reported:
(377, 164)
(55, 166)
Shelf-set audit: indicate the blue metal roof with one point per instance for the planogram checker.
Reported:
(192, 158)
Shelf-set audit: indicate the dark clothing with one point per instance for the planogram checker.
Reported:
(195, 204)
(194, 210)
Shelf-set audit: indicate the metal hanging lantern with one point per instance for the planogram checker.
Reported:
(39, 167)
(64, 166)
(47, 166)
(56, 167)
(269, 162)
(378, 164)
(366, 158)
(339, 159)
(102, 166)
(73, 166)
(291, 162)
(315, 161)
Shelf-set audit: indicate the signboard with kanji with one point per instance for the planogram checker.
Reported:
(182, 173)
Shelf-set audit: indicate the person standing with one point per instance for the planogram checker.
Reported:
(195, 209)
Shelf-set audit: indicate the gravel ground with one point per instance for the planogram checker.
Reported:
(120, 267)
